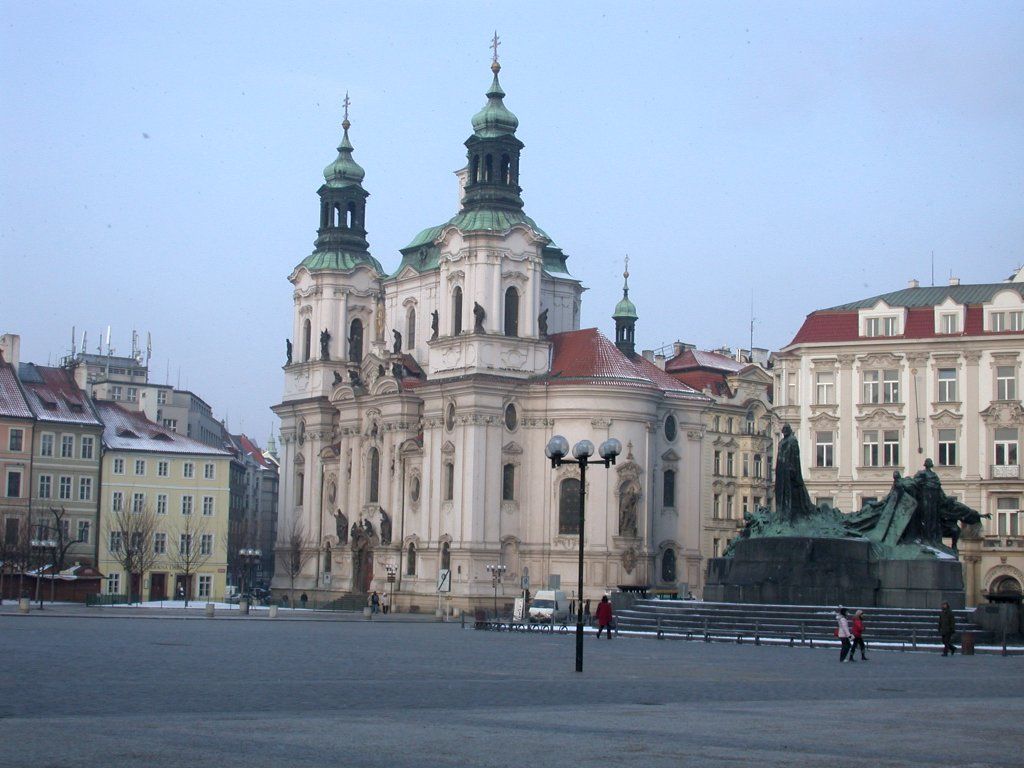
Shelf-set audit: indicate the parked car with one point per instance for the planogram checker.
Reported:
(549, 605)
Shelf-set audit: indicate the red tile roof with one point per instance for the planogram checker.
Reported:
(12, 401)
(587, 357)
(254, 451)
(53, 395)
(695, 358)
(131, 431)
(828, 326)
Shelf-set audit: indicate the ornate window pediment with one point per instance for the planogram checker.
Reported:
(824, 417)
(670, 456)
(515, 276)
(512, 449)
(880, 360)
(456, 275)
(879, 418)
(448, 448)
(947, 418)
(1003, 414)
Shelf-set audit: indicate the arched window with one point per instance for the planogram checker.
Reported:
(474, 169)
(300, 484)
(668, 565)
(669, 495)
(569, 506)
(336, 215)
(511, 312)
(410, 561)
(307, 339)
(410, 328)
(488, 168)
(355, 341)
(446, 556)
(449, 481)
(508, 482)
(350, 215)
(374, 484)
(457, 311)
(504, 169)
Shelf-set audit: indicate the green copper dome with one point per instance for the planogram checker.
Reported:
(625, 308)
(494, 119)
(344, 171)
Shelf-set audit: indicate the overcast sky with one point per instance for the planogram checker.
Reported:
(160, 161)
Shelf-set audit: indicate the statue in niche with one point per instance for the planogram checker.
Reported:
(368, 529)
(629, 500)
(397, 371)
(288, 351)
(396, 347)
(325, 344)
(337, 378)
(358, 535)
(385, 528)
(478, 318)
(542, 323)
(341, 527)
(435, 322)
(379, 319)
(353, 378)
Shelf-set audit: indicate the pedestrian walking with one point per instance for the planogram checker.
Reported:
(303, 599)
(587, 616)
(385, 603)
(374, 602)
(947, 626)
(604, 617)
(857, 630)
(843, 633)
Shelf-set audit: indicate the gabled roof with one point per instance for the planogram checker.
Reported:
(587, 357)
(12, 399)
(691, 359)
(253, 451)
(53, 395)
(126, 430)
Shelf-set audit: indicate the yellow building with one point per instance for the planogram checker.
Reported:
(164, 504)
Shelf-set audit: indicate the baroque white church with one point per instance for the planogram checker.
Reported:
(418, 402)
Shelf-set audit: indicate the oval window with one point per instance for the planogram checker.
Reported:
(670, 428)
(511, 417)
(415, 490)
(449, 417)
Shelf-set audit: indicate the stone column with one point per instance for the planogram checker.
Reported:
(847, 394)
(973, 426)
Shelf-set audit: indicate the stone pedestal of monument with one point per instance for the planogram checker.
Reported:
(794, 570)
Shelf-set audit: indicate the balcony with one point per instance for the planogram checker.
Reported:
(1004, 472)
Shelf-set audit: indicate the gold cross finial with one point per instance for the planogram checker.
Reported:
(346, 104)
(495, 42)
(626, 273)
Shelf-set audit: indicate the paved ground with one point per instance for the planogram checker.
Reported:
(255, 692)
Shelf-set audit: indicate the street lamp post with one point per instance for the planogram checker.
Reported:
(392, 573)
(249, 558)
(39, 546)
(496, 571)
(556, 450)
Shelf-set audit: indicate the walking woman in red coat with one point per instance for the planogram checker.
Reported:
(604, 617)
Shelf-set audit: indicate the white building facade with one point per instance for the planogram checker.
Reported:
(417, 406)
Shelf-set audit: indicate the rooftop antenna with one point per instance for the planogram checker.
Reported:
(149, 347)
(167, 375)
(179, 378)
(109, 351)
(74, 344)
(752, 319)
(85, 334)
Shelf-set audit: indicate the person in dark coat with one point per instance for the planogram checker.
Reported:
(947, 626)
(604, 617)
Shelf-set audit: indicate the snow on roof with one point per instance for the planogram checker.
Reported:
(131, 431)
(53, 395)
(12, 401)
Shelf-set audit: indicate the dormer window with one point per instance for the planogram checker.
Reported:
(949, 322)
(1006, 321)
(886, 325)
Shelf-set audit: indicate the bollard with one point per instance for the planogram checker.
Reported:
(462, 616)
(243, 606)
(803, 633)
(367, 612)
(757, 633)
(660, 635)
(967, 648)
(273, 612)
(209, 610)
(23, 605)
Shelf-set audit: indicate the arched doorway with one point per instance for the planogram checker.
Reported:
(362, 565)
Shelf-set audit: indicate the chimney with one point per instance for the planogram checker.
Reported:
(10, 348)
(659, 360)
(462, 174)
(954, 281)
(81, 374)
(913, 283)
(648, 355)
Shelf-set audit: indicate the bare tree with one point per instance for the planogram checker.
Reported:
(191, 551)
(62, 536)
(294, 553)
(130, 540)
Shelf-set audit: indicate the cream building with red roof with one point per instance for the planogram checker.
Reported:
(881, 384)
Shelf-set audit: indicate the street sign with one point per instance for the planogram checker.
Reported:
(444, 580)
(524, 583)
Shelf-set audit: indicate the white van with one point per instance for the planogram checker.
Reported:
(549, 603)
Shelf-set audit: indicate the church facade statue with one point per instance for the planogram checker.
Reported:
(478, 318)
(396, 347)
(542, 323)
(385, 528)
(325, 344)
(435, 323)
(288, 351)
(341, 527)
(629, 501)
(792, 501)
